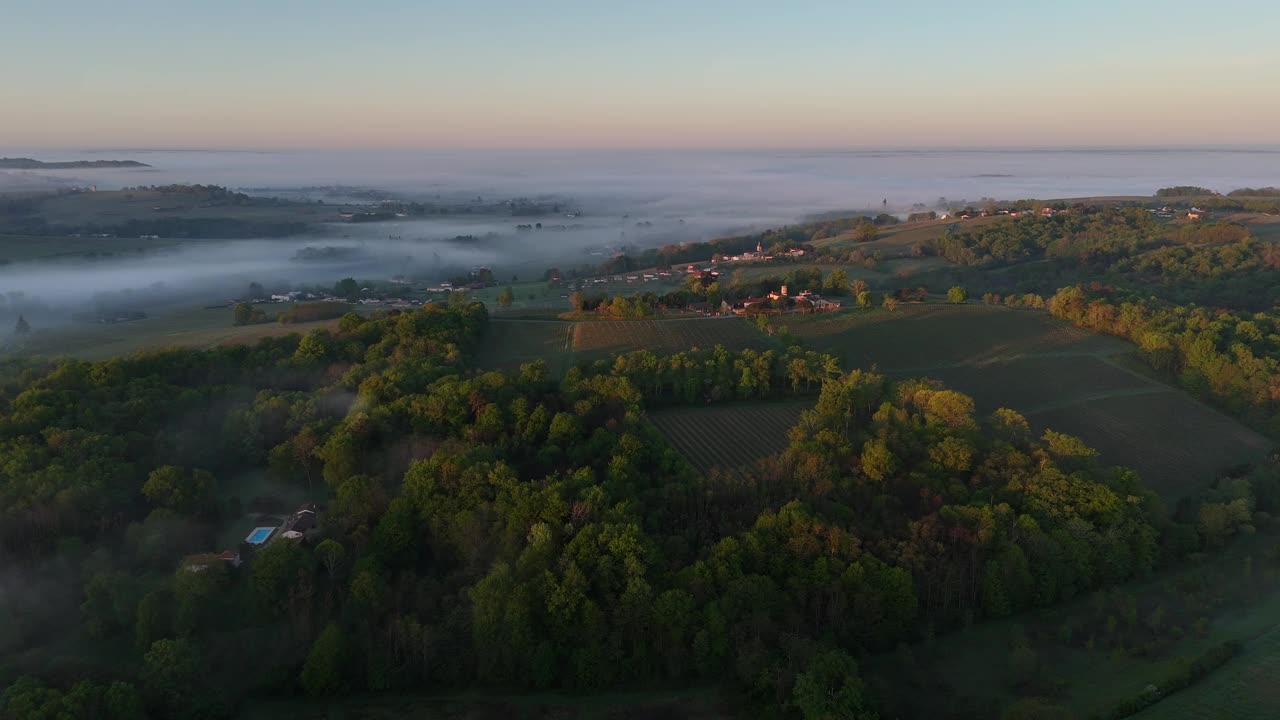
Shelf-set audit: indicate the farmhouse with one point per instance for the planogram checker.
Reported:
(302, 520)
(742, 306)
(1196, 213)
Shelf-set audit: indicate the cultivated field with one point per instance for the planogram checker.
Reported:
(667, 336)
(1176, 443)
(507, 344)
(1041, 383)
(896, 240)
(731, 437)
(917, 338)
(1061, 377)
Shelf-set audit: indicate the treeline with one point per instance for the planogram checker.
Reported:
(1195, 191)
(1271, 192)
(1184, 191)
(1083, 234)
(212, 194)
(717, 375)
(26, 223)
(1263, 204)
(771, 241)
(1218, 265)
(1229, 358)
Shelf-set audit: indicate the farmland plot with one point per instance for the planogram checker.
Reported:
(509, 343)
(729, 437)
(667, 336)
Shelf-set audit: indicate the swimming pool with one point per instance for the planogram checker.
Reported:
(259, 535)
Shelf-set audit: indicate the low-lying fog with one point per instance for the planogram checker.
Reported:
(632, 198)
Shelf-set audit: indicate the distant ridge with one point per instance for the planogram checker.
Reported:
(31, 164)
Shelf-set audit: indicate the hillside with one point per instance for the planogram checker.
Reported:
(32, 164)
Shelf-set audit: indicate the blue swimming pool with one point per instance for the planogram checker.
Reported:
(259, 535)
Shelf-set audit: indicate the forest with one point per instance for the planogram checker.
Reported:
(516, 531)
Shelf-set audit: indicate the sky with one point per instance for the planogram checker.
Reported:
(653, 74)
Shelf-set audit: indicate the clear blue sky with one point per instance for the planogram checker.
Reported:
(660, 73)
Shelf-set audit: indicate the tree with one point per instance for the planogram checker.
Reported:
(350, 322)
(313, 350)
(830, 689)
(332, 555)
(171, 675)
(837, 282)
(22, 328)
(347, 288)
(865, 232)
(864, 299)
(246, 314)
(890, 303)
(276, 568)
(169, 487)
(324, 672)
(506, 297)
(153, 620)
(196, 594)
(878, 462)
(957, 295)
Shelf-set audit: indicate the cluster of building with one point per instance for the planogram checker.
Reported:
(655, 276)
(805, 300)
(758, 256)
(294, 529)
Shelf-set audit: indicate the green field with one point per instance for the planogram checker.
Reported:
(1234, 596)
(918, 338)
(166, 326)
(667, 336)
(897, 240)
(730, 437)
(1059, 376)
(1244, 688)
(751, 271)
(1175, 442)
(509, 343)
(119, 206)
(20, 248)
